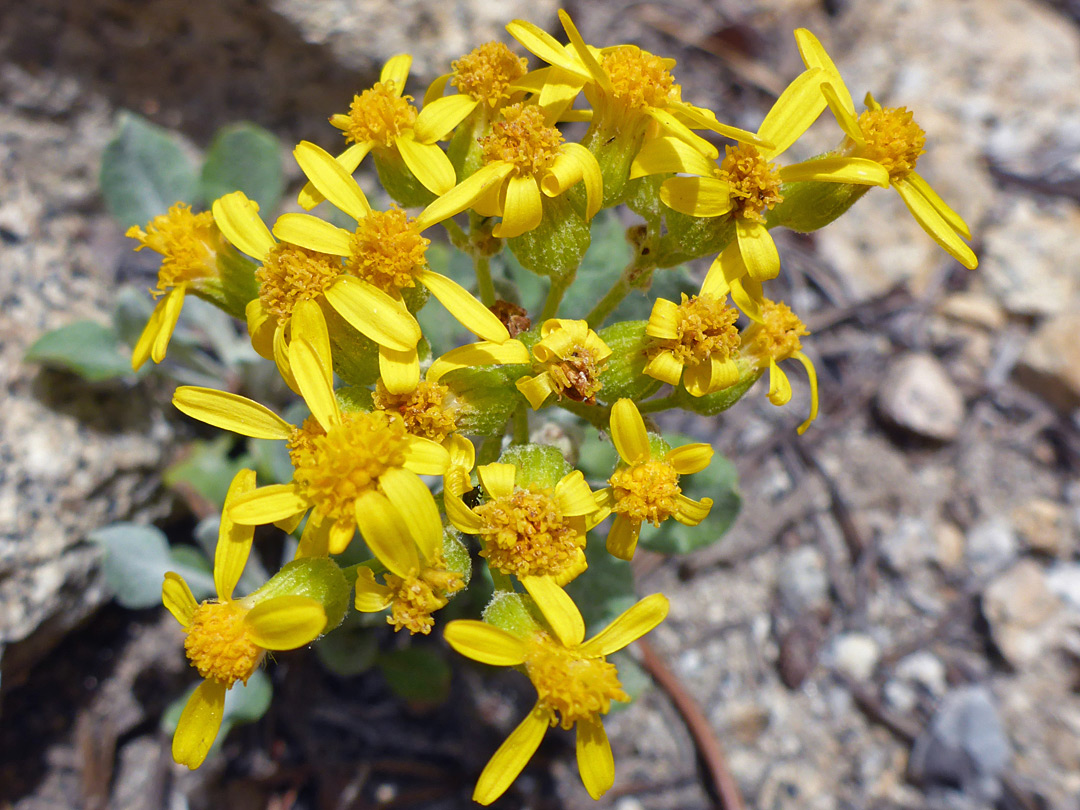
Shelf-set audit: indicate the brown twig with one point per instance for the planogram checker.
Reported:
(722, 784)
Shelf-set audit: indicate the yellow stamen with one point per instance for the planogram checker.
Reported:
(426, 409)
(290, 274)
(387, 250)
(706, 327)
(639, 79)
(776, 338)
(574, 686)
(218, 643)
(893, 139)
(577, 376)
(418, 596)
(188, 241)
(378, 114)
(302, 440)
(524, 534)
(523, 139)
(348, 459)
(646, 491)
(487, 72)
(755, 182)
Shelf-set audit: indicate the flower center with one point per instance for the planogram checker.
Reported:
(487, 72)
(335, 468)
(378, 114)
(577, 376)
(417, 596)
(706, 327)
(513, 317)
(218, 643)
(387, 250)
(290, 274)
(755, 182)
(573, 685)
(639, 79)
(646, 491)
(893, 139)
(524, 534)
(424, 409)
(777, 337)
(522, 139)
(189, 242)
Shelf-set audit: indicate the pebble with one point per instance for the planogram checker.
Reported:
(802, 581)
(991, 546)
(1042, 525)
(856, 655)
(1063, 580)
(919, 396)
(924, 669)
(1050, 363)
(1021, 610)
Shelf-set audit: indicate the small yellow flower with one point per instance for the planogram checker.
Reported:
(574, 681)
(347, 466)
(383, 120)
(228, 638)
(530, 531)
(189, 244)
(525, 159)
(429, 410)
(387, 251)
(697, 335)
(645, 487)
(891, 138)
(772, 339)
(568, 360)
(484, 78)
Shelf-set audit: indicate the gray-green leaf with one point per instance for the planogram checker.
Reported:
(244, 157)
(85, 347)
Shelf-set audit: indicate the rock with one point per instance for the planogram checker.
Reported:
(856, 655)
(991, 546)
(975, 309)
(1063, 580)
(802, 581)
(1022, 610)
(918, 395)
(949, 543)
(909, 545)
(964, 746)
(1043, 525)
(923, 669)
(1050, 362)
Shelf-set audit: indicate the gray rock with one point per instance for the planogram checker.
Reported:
(909, 545)
(1063, 580)
(1050, 362)
(991, 547)
(802, 580)
(918, 395)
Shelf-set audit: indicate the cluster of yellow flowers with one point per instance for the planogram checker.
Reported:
(336, 306)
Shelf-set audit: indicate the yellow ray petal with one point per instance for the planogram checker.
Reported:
(396, 70)
(234, 540)
(797, 108)
(199, 724)
(758, 249)
(628, 627)
(541, 44)
(663, 320)
(479, 354)
(485, 643)
(811, 372)
(588, 170)
(458, 513)
(425, 457)
(701, 118)
(231, 412)
(311, 377)
(309, 323)
(536, 389)
(845, 115)
(464, 194)
(696, 196)
(497, 479)
(747, 295)
(177, 598)
(371, 597)
(670, 155)
(595, 762)
(386, 534)
(400, 371)
(512, 756)
(286, 622)
(573, 496)
(331, 179)
(281, 359)
(350, 160)
(690, 458)
(522, 209)
(238, 218)
(672, 125)
(664, 366)
(779, 385)
(267, 505)
(315, 541)
(261, 326)
(340, 535)
(469, 312)
(584, 52)
(436, 89)
(313, 233)
(170, 313)
(414, 502)
(857, 171)
(439, 117)
(623, 537)
(428, 163)
(954, 219)
(690, 512)
(931, 221)
(628, 432)
(558, 608)
(712, 375)
(141, 353)
(814, 56)
(373, 313)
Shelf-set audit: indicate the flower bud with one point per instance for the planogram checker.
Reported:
(556, 246)
(810, 205)
(538, 465)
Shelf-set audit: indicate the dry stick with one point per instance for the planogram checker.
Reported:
(705, 741)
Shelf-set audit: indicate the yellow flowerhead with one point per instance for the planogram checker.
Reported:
(387, 253)
(574, 681)
(484, 78)
(645, 485)
(528, 531)
(697, 335)
(347, 465)
(228, 638)
(429, 410)
(772, 339)
(891, 138)
(568, 360)
(189, 244)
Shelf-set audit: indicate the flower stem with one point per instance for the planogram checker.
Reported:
(521, 425)
(482, 265)
(661, 404)
(611, 299)
(502, 581)
(596, 415)
(458, 237)
(558, 289)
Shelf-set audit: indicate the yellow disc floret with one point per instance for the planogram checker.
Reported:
(706, 327)
(378, 114)
(219, 645)
(755, 182)
(487, 72)
(188, 241)
(646, 491)
(639, 79)
(776, 338)
(571, 685)
(428, 410)
(290, 274)
(523, 139)
(348, 459)
(387, 250)
(416, 597)
(524, 534)
(893, 139)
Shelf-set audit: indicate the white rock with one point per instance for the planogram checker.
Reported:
(925, 669)
(856, 655)
(802, 580)
(991, 546)
(1023, 613)
(918, 395)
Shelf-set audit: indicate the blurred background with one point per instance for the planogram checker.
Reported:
(894, 620)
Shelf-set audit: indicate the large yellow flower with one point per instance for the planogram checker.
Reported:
(645, 486)
(348, 467)
(575, 683)
(387, 250)
(290, 276)
(228, 638)
(891, 138)
(383, 120)
(569, 357)
(697, 335)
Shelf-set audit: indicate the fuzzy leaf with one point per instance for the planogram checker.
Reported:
(245, 157)
(85, 347)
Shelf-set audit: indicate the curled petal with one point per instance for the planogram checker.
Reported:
(522, 210)
(511, 352)
(371, 597)
(623, 537)
(758, 249)
(697, 196)
(177, 598)
(670, 155)
(664, 366)
(811, 372)
(238, 218)
(690, 458)
(690, 512)
(497, 479)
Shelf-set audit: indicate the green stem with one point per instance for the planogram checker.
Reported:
(458, 237)
(502, 581)
(482, 265)
(661, 404)
(521, 425)
(489, 450)
(558, 289)
(596, 415)
(611, 299)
